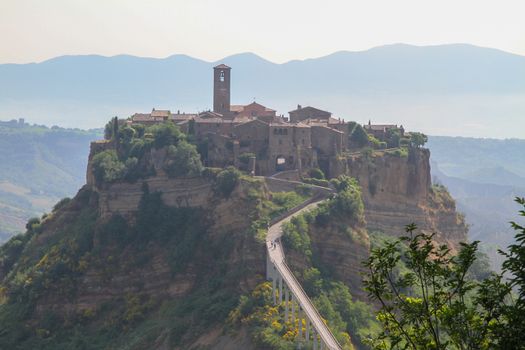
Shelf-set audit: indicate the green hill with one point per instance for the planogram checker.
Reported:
(40, 165)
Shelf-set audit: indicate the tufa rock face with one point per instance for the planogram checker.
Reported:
(397, 191)
(123, 197)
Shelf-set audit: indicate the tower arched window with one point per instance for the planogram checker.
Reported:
(221, 75)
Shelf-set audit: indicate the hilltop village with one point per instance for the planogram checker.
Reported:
(255, 138)
(169, 235)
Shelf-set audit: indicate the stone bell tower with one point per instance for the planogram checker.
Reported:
(221, 89)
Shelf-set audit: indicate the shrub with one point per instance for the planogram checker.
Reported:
(32, 223)
(348, 203)
(375, 143)
(183, 160)
(227, 180)
(295, 235)
(304, 190)
(401, 152)
(312, 281)
(316, 173)
(404, 142)
(245, 157)
(107, 167)
(61, 203)
(165, 134)
(211, 173)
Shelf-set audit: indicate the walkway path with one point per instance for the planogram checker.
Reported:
(277, 258)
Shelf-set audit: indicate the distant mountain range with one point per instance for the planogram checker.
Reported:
(449, 89)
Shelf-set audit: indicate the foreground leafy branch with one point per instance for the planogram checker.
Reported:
(428, 300)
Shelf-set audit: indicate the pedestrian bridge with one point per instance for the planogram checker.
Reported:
(287, 291)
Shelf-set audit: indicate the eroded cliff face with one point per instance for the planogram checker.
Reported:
(397, 191)
(225, 234)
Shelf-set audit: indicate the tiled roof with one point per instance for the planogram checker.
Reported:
(222, 66)
(138, 117)
(209, 114)
(309, 107)
(236, 108)
(182, 116)
(160, 113)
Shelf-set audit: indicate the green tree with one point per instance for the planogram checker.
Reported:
(126, 134)
(393, 136)
(107, 167)
(165, 134)
(425, 306)
(431, 299)
(183, 160)
(418, 139)
(510, 332)
(359, 137)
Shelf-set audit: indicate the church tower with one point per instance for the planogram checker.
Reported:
(221, 89)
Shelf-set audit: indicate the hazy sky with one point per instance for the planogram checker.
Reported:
(279, 30)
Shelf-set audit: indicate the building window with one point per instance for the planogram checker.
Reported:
(221, 76)
(280, 141)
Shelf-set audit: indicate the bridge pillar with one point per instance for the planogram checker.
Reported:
(280, 289)
(293, 309)
(300, 323)
(307, 321)
(321, 345)
(269, 267)
(286, 301)
(274, 290)
(314, 338)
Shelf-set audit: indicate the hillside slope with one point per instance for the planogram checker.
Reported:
(40, 165)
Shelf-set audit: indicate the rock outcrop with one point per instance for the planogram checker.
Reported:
(397, 191)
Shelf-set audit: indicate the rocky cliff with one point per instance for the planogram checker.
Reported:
(397, 191)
